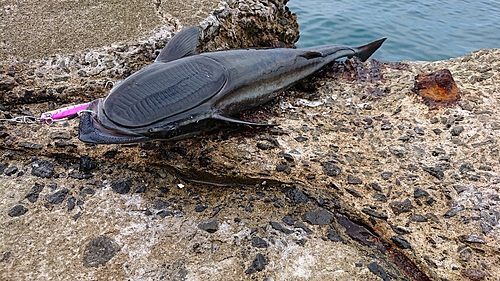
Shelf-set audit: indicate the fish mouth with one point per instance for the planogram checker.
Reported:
(91, 130)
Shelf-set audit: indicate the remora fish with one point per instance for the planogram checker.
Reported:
(181, 92)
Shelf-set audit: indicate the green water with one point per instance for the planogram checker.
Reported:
(416, 30)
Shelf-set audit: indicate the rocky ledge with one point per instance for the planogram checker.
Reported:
(361, 180)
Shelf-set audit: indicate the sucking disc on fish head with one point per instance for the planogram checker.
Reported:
(162, 90)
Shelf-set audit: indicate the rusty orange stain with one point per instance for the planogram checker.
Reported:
(437, 89)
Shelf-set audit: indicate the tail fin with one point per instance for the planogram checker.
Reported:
(364, 52)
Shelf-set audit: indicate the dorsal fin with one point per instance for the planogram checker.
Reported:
(237, 121)
(183, 44)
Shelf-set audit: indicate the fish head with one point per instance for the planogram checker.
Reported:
(92, 130)
(96, 127)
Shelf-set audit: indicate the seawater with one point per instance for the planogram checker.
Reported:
(415, 30)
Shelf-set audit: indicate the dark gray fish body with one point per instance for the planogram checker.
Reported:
(177, 95)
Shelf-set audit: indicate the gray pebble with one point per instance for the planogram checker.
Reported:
(486, 227)
(296, 196)
(471, 239)
(11, 170)
(400, 242)
(490, 216)
(71, 203)
(301, 139)
(57, 197)
(87, 164)
(419, 131)
(455, 131)
(279, 227)
(353, 180)
(401, 207)
(334, 236)
(374, 214)
(330, 169)
(3, 166)
(380, 197)
(160, 205)
(418, 192)
(42, 168)
(376, 186)
(258, 264)
(258, 242)
(283, 168)
(418, 218)
(379, 271)
(33, 194)
(263, 146)
(436, 172)
(466, 254)
(99, 251)
(288, 220)
(454, 211)
(301, 225)
(17, 211)
(121, 186)
(386, 175)
(210, 226)
(321, 217)
(354, 193)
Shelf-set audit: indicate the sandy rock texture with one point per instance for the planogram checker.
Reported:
(360, 180)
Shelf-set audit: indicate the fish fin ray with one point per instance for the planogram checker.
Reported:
(183, 44)
(237, 121)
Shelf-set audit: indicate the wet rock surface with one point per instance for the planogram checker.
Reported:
(372, 183)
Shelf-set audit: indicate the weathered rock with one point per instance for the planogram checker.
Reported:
(353, 126)
(438, 89)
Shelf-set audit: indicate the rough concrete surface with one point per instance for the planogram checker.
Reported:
(360, 181)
